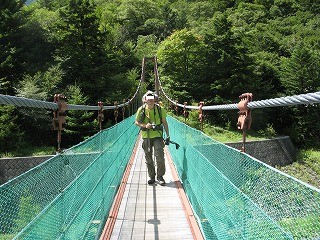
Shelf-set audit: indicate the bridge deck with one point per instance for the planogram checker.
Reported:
(155, 211)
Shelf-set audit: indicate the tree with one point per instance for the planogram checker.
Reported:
(170, 20)
(146, 46)
(40, 38)
(10, 66)
(301, 72)
(133, 15)
(284, 8)
(51, 4)
(310, 5)
(37, 122)
(181, 57)
(81, 50)
(11, 137)
(199, 12)
(229, 67)
(79, 123)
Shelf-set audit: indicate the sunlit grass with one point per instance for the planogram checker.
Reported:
(29, 151)
(306, 167)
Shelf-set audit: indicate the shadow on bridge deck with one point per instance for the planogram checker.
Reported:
(152, 211)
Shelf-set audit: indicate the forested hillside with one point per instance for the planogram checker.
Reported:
(212, 51)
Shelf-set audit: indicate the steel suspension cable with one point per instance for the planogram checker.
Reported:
(308, 98)
(26, 102)
(32, 103)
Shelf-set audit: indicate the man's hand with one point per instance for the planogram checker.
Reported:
(167, 141)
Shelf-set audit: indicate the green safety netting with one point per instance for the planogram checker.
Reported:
(233, 195)
(69, 195)
(238, 197)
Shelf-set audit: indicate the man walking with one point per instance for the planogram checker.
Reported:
(151, 118)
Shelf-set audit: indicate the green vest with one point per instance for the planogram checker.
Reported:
(152, 116)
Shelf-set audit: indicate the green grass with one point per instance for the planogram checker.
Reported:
(226, 136)
(306, 167)
(308, 226)
(6, 236)
(29, 151)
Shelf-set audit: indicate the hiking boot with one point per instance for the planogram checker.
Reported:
(151, 181)
(161, 181)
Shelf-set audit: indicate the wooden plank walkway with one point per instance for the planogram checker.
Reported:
(152, 211)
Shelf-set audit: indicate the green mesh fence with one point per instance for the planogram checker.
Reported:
(69, 195)
(238, 197)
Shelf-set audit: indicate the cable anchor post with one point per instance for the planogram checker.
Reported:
(123, 109)
(59, 117)
(100, 115)
(116, 112)
(244, 116)
(201, 116)
(185, 112)
(176, 109)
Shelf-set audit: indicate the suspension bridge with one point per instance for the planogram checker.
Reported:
(97, 189)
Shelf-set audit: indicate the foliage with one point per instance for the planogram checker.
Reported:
(300, 73)
(139, 17)
(11, 136)
(10, 45)
(181, 56)
(81, 52)
(146, 46)
(40, 86)
(39, 37)
(79, 123)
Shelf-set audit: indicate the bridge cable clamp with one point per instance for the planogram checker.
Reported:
(59, 116)
(116, 112)
(201, 116)
(100, 115)
(185, 111)
(244, 116)
(124, 108)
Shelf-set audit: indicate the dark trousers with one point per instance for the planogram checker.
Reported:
(154, 144)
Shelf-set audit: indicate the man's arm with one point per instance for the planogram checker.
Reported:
(165, 125)
(137, 120)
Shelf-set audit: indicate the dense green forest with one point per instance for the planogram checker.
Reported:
(211, 51)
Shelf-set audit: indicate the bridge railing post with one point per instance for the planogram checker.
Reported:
(185, 112)
(244, 116)
(59, 117)
(100, 115)
(116, 112)
(201, 117)
(123, 109)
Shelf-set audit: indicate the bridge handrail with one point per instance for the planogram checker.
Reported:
(27, 102)
(308, 98)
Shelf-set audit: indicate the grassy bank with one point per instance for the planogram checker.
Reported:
(29, 151)
(306, 167)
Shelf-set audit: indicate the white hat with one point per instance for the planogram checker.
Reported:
(148, 95)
